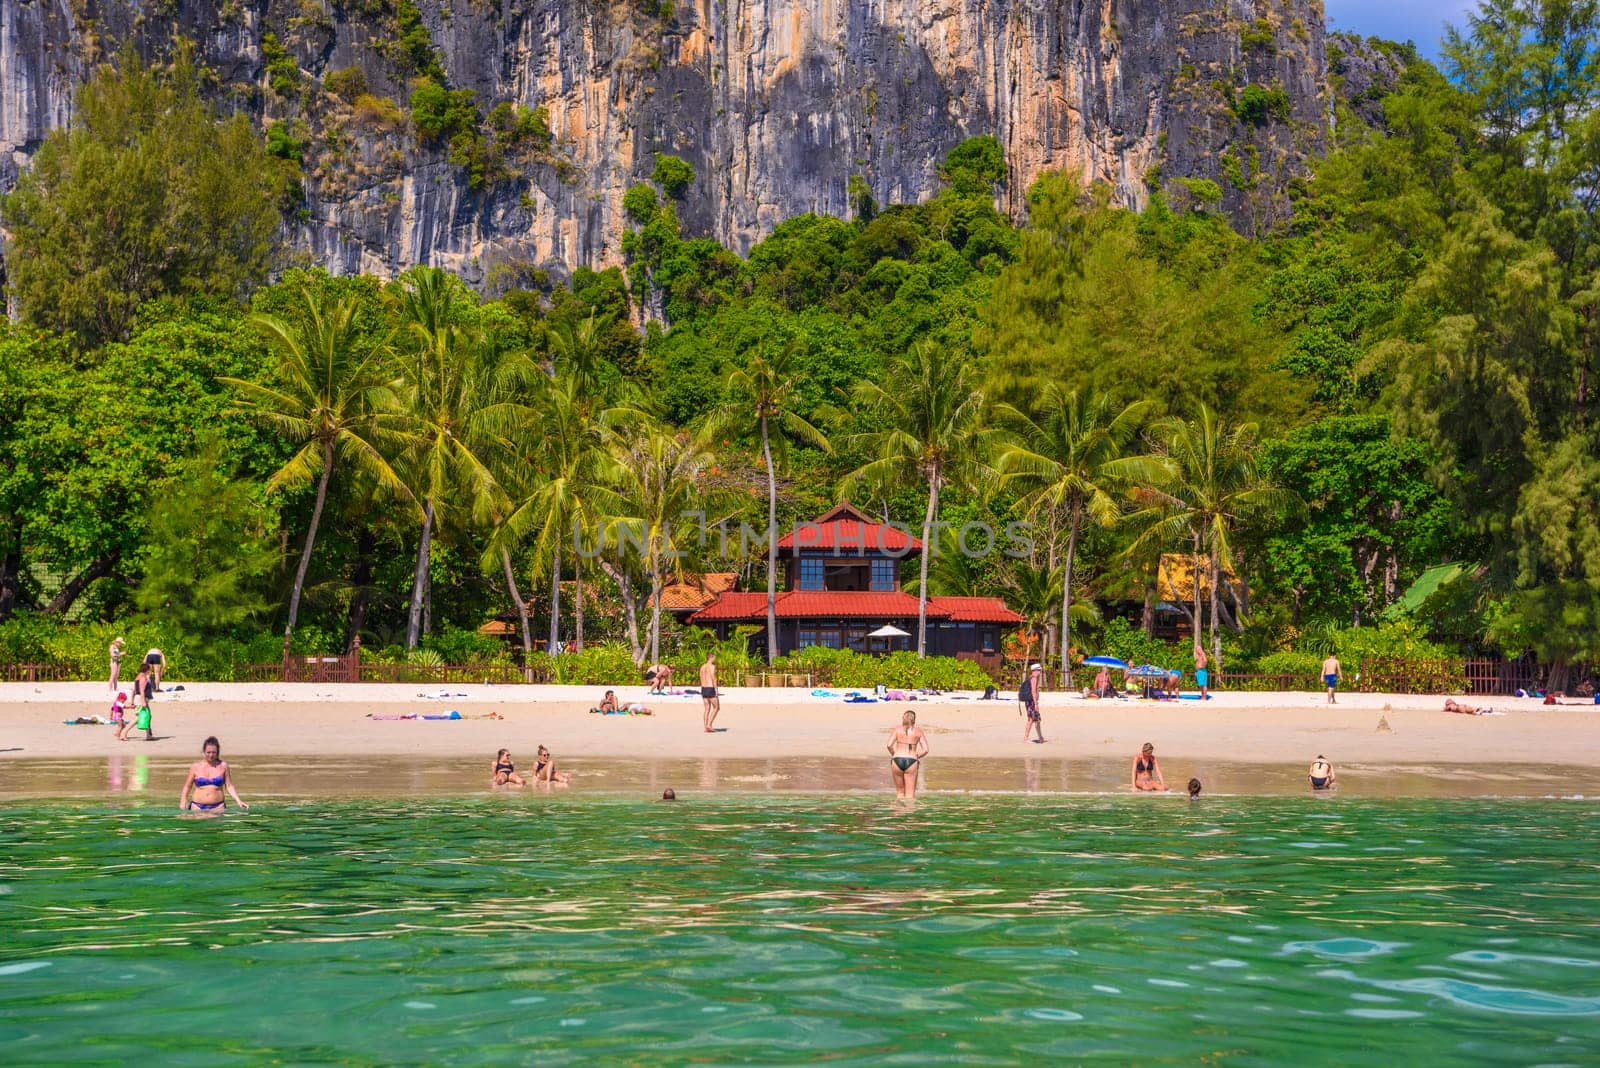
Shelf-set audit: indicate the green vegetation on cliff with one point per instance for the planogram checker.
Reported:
(1403, 376)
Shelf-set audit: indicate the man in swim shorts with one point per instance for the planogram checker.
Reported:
(1322, 776)
(1202, 677)
(708, 691)
(1330, 676)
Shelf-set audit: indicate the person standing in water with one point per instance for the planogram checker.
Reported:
(1322, 776)
(1330, 675)
(708, 691)
(208, 777)
(906, 750)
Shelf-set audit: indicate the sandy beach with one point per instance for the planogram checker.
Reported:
(792, 739)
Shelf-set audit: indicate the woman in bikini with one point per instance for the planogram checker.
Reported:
(545, 769)
(1147, 771)
(207, 779)
(504, 772)
(906, 750)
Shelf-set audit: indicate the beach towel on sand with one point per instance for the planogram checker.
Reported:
(94, 720)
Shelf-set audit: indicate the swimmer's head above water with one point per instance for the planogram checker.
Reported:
(1194, 788)
(669, 794)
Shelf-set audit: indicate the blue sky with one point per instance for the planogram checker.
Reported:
(1421, 21)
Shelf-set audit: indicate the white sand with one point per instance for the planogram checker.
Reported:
(327, 720)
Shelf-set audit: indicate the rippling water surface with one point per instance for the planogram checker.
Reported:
(805, 928)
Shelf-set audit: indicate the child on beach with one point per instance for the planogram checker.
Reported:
(117, 706)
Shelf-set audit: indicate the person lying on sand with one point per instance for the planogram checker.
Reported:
(504, 772)
(1452, 705)
(545, 769)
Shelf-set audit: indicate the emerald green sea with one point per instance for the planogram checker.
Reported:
(802, 928)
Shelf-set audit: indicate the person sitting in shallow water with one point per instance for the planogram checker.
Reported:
(504, 772)
(1147, 771)
(545, 769)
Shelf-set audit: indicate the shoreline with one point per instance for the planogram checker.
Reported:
(155, 780)
(1381, 743)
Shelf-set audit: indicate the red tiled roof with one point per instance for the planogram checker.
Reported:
(697, 591)
(847, 530)
(814, 604)
(976, 609)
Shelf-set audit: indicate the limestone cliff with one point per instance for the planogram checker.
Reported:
(775, 103)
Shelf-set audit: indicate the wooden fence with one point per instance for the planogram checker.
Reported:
(350, 669)
(40, 673)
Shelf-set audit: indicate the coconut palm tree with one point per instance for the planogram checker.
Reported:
(660, 478)
(930, 411)
(1069, 459)
(334, 396)
(575, 347)
(1213, 483)
(449, 377)
(761, 392)
(556, 456)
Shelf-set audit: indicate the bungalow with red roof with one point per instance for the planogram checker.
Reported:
(841, 581)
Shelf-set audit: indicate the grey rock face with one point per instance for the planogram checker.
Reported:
(776, 104)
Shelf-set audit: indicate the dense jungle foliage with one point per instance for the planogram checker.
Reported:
(206, 449)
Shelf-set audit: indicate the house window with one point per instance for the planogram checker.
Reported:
(808, 638)
(811, 574)
(830, 639)
(884, 574)
(988, 641)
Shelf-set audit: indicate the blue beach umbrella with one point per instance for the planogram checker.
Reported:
(1105, 662)
(1147, 671)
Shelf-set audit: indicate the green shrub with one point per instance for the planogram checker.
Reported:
(974, 167)
(414, 43)
(1127, 641)
(459, 645)
(1257, 104)
(640, 203)
(1259, 35)
(441, 114)
(607, 664)
(848, 669)
(283, 144)
(672, 174)
(283, 73)
(346, 83)
(1290, 663)
(378, 111)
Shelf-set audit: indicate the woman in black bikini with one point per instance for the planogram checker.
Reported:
(208, 778)
(545, 770)
(1147, 771)
(906, 750)
(505, 772)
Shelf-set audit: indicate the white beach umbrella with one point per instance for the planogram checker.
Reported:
(889, 630)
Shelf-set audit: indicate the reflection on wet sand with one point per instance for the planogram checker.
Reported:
(310, 777)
